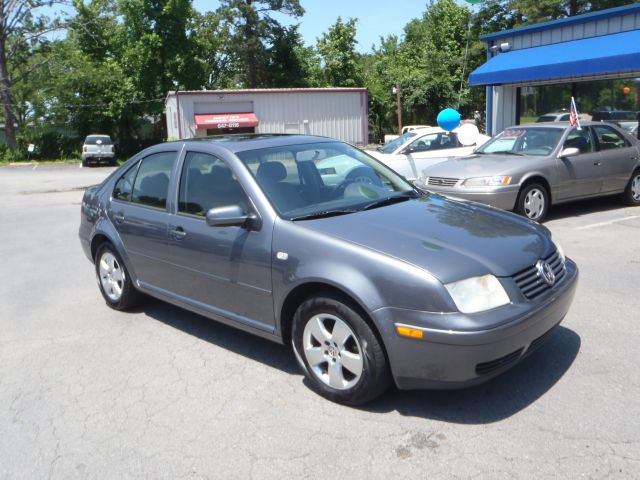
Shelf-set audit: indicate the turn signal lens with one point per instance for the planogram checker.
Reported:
(409, 332)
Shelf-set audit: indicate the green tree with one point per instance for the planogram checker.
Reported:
(251, 26)
(337, 49)
(23, 28)
(290, 63)
(220, 67)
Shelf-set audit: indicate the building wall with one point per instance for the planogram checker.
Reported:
(576, 31)
(503, 99)
(336, 113)
(504, 108)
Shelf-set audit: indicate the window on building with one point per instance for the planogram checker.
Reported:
(615, 101)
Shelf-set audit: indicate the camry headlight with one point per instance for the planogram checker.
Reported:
(477, 294)
(487, 181)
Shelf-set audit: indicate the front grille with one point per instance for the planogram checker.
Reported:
(442, 181)
(531, 283)
(488, 367)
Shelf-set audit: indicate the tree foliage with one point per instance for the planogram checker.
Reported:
(337, 50)
(112, 68)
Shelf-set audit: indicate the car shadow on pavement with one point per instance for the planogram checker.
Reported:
(251, 346)
(497, 399)
(493, 401)
(585, 207)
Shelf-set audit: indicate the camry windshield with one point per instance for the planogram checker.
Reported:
(523, 141)
(393, 145)
(324, 179)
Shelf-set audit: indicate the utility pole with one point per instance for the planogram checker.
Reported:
(396, 90)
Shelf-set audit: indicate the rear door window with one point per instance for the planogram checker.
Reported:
(609, 138)
(152, 182)
(124, 186)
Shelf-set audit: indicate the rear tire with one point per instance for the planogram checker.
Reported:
(631, 193)
(338, 350)
(114, 280)
(533, 202)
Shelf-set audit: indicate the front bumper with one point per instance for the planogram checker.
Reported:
(499, 197)
(447, 359)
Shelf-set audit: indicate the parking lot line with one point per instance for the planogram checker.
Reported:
(609, 222)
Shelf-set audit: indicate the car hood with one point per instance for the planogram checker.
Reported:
(476, 165)
(450, 239)
(379, 155)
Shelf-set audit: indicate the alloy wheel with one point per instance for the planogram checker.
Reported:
(332, 351)
(111, 276)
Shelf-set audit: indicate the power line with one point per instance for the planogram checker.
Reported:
(76, 105)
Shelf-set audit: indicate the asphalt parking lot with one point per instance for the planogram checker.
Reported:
(88, 392)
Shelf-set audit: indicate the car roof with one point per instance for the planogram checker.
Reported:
(252, 141)
(583, 123)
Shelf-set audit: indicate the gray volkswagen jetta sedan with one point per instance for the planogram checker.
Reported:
(370, 281)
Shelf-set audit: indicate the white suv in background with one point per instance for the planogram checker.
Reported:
(96, 148)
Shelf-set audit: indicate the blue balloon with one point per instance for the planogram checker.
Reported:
(448, 119)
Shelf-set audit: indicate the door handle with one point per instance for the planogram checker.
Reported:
(597, 164)
(118, 217)
(178, 233)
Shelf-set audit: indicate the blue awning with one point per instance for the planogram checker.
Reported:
(603, 55)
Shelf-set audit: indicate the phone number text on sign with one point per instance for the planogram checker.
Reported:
(228, 125)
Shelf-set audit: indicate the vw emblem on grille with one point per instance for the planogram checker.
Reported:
(545, 272)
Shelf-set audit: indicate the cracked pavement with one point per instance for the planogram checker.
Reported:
(87, 392)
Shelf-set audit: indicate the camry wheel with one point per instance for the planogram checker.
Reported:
(339, 351)
(632, 192)
(533, 202)
(113, 279)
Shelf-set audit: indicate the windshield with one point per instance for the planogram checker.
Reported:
(523, 141)
(323, 179)
(393, 145)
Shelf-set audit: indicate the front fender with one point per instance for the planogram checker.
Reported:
(371, 278)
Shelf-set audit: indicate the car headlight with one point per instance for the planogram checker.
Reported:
(422, 178)
(494, 181)
(477, 294)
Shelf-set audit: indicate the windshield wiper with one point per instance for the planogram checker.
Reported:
(390, 200)
(323, 214)
(508, 152)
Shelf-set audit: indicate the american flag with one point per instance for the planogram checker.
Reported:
(574, 120)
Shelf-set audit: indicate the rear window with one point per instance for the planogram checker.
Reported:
(97, 140)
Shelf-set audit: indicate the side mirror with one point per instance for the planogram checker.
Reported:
(228, 216)
(407, 151)
(569, 152)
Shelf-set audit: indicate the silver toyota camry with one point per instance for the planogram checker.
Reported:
(528, 168)
(311, 242)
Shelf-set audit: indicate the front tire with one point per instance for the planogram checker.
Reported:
(340, 354)
(631, 193)
(533, 202)
(114, 280)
